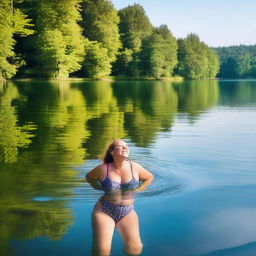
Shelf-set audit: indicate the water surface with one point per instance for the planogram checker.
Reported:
(197, 138)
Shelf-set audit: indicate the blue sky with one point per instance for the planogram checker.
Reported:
(218, 23)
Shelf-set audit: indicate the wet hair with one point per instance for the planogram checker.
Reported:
(107, 156)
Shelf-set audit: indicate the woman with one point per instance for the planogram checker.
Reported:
(118, 177)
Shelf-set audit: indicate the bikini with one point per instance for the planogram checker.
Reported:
(116, 212)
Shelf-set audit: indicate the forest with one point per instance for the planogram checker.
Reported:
(91, 39)
(237, 61)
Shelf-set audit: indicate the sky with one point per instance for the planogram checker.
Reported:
(216, 22)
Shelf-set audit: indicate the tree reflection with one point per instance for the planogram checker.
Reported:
(12, 135)
(106, 120)
(44, 170)
(197, 96)
(151, 108)
(237, 93)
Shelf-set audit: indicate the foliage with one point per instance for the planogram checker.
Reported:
(54, 39)
(100, 23)
(159, 53)
(97, 63)
(12, 22)
(213, 63)
(237, 61)
(59, 40)
(195, 59)
(22, 24)
(134, 27)
(52, 48)
(122, 64)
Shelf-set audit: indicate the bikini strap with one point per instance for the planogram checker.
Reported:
(131, 169)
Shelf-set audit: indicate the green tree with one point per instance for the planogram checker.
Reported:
(244, 63)
(152, 56)
(134, 27)
(159, 53)
(59, 41)
(195, 59)
(123, 62)
(97, 62)
(100, 23)
(12, 22)
(237, 61)
(213, 63)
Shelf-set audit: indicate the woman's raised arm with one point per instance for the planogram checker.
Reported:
(93, 176)
(145, 176)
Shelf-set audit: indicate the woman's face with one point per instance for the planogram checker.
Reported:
(121, 149)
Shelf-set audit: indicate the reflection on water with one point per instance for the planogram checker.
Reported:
(52, 132)
(12, 134)
(238, 93)
(78, 119)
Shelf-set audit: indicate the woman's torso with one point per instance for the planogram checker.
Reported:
(121, 193)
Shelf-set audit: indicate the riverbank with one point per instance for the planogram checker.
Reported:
(107, 79)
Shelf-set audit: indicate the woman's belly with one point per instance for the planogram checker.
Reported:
(120, 197)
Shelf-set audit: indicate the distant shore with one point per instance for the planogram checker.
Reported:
(107, 79)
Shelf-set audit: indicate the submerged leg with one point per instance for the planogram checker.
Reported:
(103, 229)
(128, 228)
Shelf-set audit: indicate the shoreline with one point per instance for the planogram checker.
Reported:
(107, 79)
(116, 79)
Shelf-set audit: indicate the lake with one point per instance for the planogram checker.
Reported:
(198, 138)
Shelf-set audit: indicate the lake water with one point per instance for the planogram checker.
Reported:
(198, 138)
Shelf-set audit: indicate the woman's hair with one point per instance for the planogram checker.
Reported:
(107, 156)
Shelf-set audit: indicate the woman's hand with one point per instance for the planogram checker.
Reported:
(140, 188)
(95, 184)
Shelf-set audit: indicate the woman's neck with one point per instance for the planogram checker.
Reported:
(119, 163)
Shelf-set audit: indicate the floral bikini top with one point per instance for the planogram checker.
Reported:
(107, 184)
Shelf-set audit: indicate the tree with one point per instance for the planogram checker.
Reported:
(134, 27)
(97, 62)
(59, 41)
(122, 64)
(195, 59)
(159, 53)
(237, 61)
(12, 22)
(152, 56)
(100, 23)
(213, 63)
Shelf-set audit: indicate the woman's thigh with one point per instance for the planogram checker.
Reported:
(128, 228)
(103, 229)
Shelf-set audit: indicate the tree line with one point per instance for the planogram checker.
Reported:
(237, 61)
(90, 38)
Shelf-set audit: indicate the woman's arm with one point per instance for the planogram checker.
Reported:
(93, 176)
(145, 176)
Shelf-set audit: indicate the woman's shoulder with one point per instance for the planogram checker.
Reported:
(101, 167)
(135, 165)
(97, 171)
